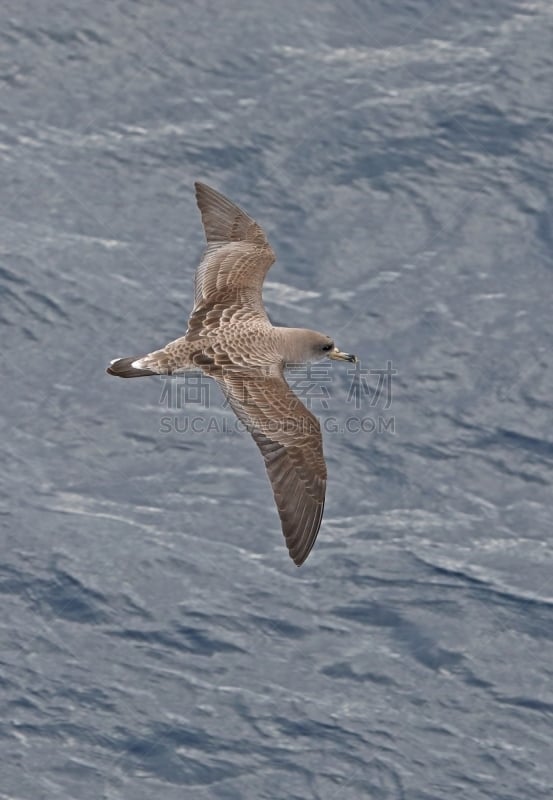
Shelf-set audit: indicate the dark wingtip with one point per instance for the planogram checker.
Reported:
(299, 560)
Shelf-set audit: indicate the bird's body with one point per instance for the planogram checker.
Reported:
(231, 339)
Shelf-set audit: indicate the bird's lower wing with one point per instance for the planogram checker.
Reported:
(289, 438)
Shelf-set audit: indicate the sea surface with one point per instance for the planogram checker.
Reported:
(155, 639)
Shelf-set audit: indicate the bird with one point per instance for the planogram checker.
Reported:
(231, 339)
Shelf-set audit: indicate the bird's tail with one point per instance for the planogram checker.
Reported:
(130, 367)
(174, 357)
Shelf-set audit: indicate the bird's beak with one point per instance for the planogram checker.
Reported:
(337, 354)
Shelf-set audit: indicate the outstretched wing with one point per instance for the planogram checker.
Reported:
(235, 262)
(290, 441)
(228, 287)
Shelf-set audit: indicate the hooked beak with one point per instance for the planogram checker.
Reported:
(339, 356)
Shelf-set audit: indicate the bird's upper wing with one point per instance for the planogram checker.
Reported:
(234, 264)
(289, 437)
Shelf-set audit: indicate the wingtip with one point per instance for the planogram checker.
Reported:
(202, 188)
(206, 195)
(299, 560)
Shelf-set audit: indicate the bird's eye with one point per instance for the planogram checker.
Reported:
(327, 347)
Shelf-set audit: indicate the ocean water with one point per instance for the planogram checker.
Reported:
(155, 638)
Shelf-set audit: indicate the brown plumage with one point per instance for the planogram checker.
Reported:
(231, 339)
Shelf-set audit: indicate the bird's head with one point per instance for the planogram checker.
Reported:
(319, 346)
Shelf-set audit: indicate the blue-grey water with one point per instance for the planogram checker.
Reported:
(155, 638)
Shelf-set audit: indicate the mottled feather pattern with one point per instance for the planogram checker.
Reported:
(231, 339)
